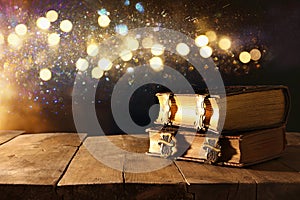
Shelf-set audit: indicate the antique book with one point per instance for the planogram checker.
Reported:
(247, 108)
(238, 149)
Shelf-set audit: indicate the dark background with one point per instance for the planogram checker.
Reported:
(276, 25)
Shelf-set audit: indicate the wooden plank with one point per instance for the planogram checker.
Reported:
(293, 138)
(280, 178)
(291, 155)
(88, 178)
(5, 136)
(32, 164)
(150, 177)
(276, 180)
(215, 182)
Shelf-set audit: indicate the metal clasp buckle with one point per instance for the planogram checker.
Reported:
(167, 144)
(212, 147)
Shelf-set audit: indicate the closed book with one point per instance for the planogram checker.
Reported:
(238, 149)
(247, 108)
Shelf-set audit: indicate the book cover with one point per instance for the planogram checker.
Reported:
(247, 108)
(238, 149)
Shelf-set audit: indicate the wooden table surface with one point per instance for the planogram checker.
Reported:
(58, 166)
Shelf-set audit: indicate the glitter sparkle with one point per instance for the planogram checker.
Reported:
(44, 45)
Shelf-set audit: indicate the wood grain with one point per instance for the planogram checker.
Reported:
(213, 182)
(55, 166)
(290, 158)
(280, 178)
(293, 139)
(5, 136)
(148, 177)
(276, 181)
(88, 178)
(31, 165)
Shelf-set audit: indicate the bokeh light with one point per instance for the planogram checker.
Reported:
(2, 39)
(92, 50)
(103, 11)
(255, 54)
(64, 40)
(132, 43)
(182, 49)
(127, 2)
(66, 26)
(201, 40)
(97, 73)
(126, 55)
(104, 64)
(21, 29)
(52, 15)
(206, 51)
(130, 70)
(121, 29)
(14, 40)
(82, 64)
(225, 43)
(43, 23)
(156, 64)
(45, 74)
(157, 49)
(211, 35)
(139, 7)
(103, 21)
(245, 57)
(53, 39)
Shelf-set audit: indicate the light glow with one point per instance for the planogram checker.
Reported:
(255, 54)
(43, 23)
(156, 64)
(105, 64)
(14, 40)
(45, 74)
(132, 43)
(211, 35)
(82, 64)
(130, 70)
(126, 55)
(103, 21)
(245, 57)
(53, 39)
(122, 29)
(21, 29)
(66, 26)
(52, 15)
(92, 50)
(201, 41)
(157, 49)
(97, 73)
(225, 43)
(183, 49)
(206, 51)
(2, 40)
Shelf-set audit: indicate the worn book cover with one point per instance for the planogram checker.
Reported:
(247, 108)
(238, 149)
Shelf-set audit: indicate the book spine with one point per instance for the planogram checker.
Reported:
(165, 108)
(190, 111)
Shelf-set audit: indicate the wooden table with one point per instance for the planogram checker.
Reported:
(58, 166)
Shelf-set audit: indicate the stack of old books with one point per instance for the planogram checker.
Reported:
(253, 129)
